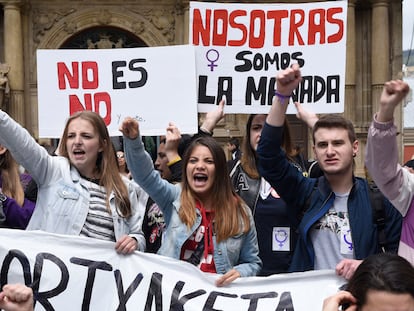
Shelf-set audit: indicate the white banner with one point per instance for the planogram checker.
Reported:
(154, 85)
(241, 47)
(75, 273)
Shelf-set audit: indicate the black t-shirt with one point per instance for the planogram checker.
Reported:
(276, 235)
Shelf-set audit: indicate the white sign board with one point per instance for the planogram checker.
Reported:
(77, 273)
(154, 85)
(241, 47)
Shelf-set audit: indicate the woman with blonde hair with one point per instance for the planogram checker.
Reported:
(16, 209)
(207, 224)
(80, 191)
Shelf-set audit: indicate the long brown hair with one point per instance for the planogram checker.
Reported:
(106, 162)
(10, 176)
(249, 157)
(231, 217)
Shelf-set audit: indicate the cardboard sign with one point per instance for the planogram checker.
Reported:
(241, 47)
(154, 85)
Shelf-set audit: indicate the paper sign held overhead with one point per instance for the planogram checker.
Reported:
(154, 85)
(241, 47)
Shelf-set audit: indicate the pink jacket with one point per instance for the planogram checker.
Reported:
(395, 182)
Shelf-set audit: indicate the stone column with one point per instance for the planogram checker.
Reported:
(353, 110)
(4, 85)
(380, 50)
(186, 10)
(13, 54)
(350, 77)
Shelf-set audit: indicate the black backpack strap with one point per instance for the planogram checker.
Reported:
(234, 168)
(378, 213)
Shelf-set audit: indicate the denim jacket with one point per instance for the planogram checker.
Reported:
(239, 252)
(63, 198)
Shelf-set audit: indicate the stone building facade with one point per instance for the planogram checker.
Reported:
(374, 49)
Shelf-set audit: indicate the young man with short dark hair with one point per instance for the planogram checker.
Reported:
(336, 227)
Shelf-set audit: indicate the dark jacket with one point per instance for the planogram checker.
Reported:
(295, 189)
(245, 186)
(269, 214)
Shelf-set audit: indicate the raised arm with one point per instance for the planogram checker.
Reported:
(142, 169)
(273, 164)
(306, 116)
(382, 160)
(213, 117)
(24, 149)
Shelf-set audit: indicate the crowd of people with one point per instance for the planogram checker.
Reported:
(258, 213)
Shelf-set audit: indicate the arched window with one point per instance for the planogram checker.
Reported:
(103, 38)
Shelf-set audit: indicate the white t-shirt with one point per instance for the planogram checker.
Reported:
(331, 235)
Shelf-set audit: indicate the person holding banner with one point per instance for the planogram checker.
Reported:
(395, 181)
(334, 211)
(276, 232)
(16, 297)
(207, 224)
(80, 191)
(382, 282)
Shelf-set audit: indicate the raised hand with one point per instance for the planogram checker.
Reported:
(392, 94)
(288, 80)
(213, 117)
(130, 128)
(172, 141)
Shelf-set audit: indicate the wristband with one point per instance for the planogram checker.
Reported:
(173, 161)
(281, 97)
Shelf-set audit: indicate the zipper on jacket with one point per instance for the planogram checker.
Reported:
(310, 223)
